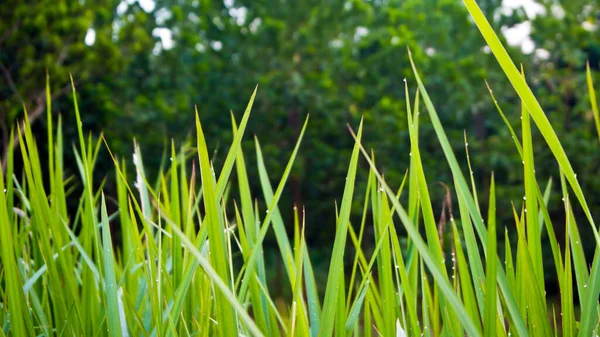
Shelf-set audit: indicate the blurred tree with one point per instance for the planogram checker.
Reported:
(87, 39)
(337, 60)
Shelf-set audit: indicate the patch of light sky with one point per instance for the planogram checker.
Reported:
(518, 35)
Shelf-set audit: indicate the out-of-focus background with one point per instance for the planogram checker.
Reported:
(141, 66)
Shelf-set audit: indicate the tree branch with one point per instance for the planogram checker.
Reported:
(9, 80)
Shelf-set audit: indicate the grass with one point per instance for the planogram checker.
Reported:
(191, 262)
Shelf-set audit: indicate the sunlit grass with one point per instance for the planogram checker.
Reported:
(190, 258)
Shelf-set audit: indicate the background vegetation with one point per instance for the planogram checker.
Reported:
(141, 66)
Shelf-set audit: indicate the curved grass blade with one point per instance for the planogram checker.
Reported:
(532, 105)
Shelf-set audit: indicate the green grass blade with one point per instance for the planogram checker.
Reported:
(227, 325)
(235, 147)
(490, 272)
(251, 263)
(532, 105)
(110, 278)
(336, 264)
(592, 93)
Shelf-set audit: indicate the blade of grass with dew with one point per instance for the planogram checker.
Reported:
(566, 288)
(176, 251)
(532, 295)
(532, 105)
(299, 318)
(530, 201)
(588, 283)
(216, 237)
(358, 240)
(473, 254)
(89, 224)
(259, 301)
(278, 225)
(403, 284)
(336, 264)
(508, 260)
(413, 198)
(489, 324)
(431, 230)
(462, 187)
(312, 296)
(384, 265)
(438, 275)
(366, 282)
(250, 265)
(110, 279)
(471, 175)
(464, 277)
(357, 306)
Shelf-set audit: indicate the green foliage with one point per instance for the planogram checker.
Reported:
(177, 249)
(187, 265)
(338, 60)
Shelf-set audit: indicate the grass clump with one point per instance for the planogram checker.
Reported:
(174, 272)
